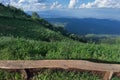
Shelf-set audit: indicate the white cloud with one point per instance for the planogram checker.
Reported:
(28, 1)
(33, 5)
(72, 3)
(27, 5)
(102, 4)
(56, 5)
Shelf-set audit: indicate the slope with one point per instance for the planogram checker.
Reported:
(14, 22)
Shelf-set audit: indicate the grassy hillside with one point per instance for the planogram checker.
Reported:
(25, 38)
(26, 27)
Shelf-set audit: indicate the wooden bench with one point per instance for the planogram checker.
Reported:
(24, 65)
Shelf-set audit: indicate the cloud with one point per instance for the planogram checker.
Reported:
(56, 5)
(27, 5)
(102, 4)
(33, 5)
(32, 1)
(72, 3)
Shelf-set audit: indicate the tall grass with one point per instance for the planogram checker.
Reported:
(25, 49)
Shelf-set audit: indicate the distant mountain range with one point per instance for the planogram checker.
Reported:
(97, 13)
(88, 25)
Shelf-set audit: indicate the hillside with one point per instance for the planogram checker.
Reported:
(88, 25)
(10, 11)
(19, 24)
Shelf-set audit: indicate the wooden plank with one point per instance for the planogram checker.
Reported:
(108, 76)
(64, 64)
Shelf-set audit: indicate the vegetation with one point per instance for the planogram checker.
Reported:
(52, 75)
(35, 15)
(18, 48)
(24, 37)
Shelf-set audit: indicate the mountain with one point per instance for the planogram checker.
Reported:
(15, 22)
(28, 37)
(97, 13)
(88, 25)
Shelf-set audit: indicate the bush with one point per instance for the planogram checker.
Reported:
(35, 15)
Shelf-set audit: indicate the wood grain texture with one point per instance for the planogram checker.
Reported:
(24, 65)
(64, 64)
(108, 76)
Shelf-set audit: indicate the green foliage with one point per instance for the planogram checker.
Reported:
(35, 15)
(28, 28)
(19, 49)
(10, 11)
(4, 75)
(64, 75)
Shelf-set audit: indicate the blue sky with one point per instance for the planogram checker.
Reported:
(45, 4)
(37, 5)
(66, 2)
(108, 9)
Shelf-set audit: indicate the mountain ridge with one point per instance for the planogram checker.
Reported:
(88, 25)
(14, 22)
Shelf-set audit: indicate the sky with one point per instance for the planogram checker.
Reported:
(73, 8)
(37, 5)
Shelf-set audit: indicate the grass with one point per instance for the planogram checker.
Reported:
(64, 75)
(48, 74)
(22, 49)
(4, 75)
(29, 29)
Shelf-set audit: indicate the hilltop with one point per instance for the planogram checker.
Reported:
(14, 22)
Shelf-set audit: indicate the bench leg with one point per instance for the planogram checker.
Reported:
(24, 74)
(108, 76)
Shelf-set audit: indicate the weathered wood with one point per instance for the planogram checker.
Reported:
(24, 65)
(108, 76)
(64, 64)
(24, 74)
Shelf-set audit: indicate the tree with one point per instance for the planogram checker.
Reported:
(1, 4)
(35, 15)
